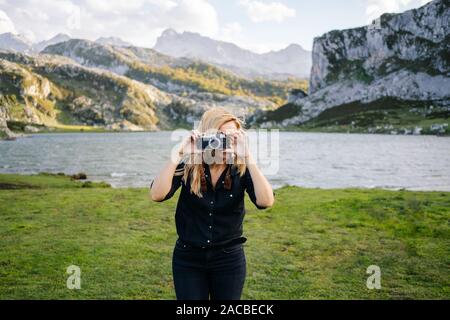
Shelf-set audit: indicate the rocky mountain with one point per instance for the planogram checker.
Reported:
(113, 41)
(15, 42)
(397, 67)
(292, 61)
(179, 76)
(60, 37)
(105, 56)
(51, 90)
(19, 43)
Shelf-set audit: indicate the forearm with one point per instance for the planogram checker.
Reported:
(163, 181)
(263, 189)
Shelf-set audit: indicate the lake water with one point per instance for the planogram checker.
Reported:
(305, 159)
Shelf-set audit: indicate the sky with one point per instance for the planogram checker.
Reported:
(257, 25)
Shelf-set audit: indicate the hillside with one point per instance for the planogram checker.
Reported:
(391, 76)
(56, 91)
(174, 75)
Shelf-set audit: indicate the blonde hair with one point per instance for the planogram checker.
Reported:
(211, 120)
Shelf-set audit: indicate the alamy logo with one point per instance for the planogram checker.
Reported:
(74, 280)
(374, 280)
(263, 144)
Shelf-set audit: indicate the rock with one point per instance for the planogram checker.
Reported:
(418, 130)
(31, 129)
(5, 133)
(416, 39)
(401, 56)
(296, 94)
(79, 176)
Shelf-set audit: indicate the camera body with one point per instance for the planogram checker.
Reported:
(218, 141)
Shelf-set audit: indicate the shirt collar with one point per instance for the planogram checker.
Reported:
(220, 181)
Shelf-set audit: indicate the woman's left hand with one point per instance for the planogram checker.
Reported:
(240, 144)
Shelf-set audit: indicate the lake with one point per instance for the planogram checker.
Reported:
(323, 160)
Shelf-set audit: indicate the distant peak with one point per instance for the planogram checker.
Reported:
(169, 33)
(193, 33)
(108, 38)
(16, 36)
(61, 36)
(294, 46)
(13, 35)
(114, 41)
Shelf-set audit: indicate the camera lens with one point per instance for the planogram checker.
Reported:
(214, 143)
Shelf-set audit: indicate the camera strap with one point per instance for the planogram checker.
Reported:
(203, 179)
(227, 183)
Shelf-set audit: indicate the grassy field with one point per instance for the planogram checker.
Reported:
(313, 244)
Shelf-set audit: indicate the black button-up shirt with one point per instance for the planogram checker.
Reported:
(216, 218)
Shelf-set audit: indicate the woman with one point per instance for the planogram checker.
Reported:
(208, 259)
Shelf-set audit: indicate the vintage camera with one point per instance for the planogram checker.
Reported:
(218, 141)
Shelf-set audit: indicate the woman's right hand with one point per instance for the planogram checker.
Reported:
(188, 145)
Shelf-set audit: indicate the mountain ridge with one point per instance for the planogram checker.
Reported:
(229, 55)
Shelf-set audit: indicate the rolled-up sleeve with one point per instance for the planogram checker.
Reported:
(176, 181)
(249, 187)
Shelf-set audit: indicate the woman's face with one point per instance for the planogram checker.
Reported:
(227, 128)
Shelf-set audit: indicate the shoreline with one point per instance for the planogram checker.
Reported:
(29, 135)
(21, 177)
(401, 130)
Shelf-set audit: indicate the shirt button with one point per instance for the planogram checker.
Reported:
(208, 241)
(231, 196)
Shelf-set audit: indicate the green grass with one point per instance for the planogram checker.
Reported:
(313, 243)
(380, 116)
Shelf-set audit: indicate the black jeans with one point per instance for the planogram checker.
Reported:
(203, 273)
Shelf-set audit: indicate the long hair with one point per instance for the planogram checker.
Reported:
(211, 120)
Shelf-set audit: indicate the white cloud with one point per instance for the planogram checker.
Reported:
(259, 11)
(163, 4)
(376, 8)
(231, 31)
(6, 25)
(193, 15)
(113, 6)
(40, 19)
(137, 21)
